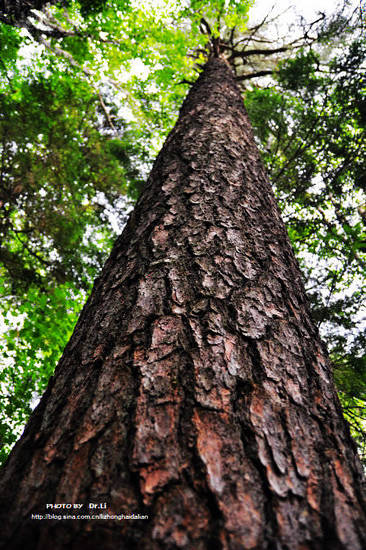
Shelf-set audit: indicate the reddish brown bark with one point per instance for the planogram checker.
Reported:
(195, 388)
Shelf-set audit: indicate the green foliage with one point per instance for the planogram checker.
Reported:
(350, 378)
(9, 45)
(30, 352)
(91, 7)
(220, 14)
(55, 162)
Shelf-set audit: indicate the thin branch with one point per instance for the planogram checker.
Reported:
(103, 105)
(232, 34)
(254, 75)
(206, 26)
(248, 53)
(32, 253)
(64, 54)
(185, 81)
(261, 40)
(56, 30)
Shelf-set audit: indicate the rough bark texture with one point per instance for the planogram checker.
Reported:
(195, 388)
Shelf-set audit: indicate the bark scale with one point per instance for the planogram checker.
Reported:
(195, 389)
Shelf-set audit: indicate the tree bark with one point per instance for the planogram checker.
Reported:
(195, 389)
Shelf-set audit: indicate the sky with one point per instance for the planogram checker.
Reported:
(290, 11)
(307, 8)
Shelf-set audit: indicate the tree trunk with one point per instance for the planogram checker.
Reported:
(195, 389)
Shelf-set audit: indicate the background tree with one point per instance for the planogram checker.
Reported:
(71, 48)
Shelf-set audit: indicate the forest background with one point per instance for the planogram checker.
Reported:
(89, 91)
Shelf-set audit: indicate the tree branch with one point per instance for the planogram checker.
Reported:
(255, 75)
(206, 26)
(248, 53)
(108, 116)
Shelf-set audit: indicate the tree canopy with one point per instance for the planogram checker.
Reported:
(88, 93)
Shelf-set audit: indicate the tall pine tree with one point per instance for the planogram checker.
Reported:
(195, 389)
